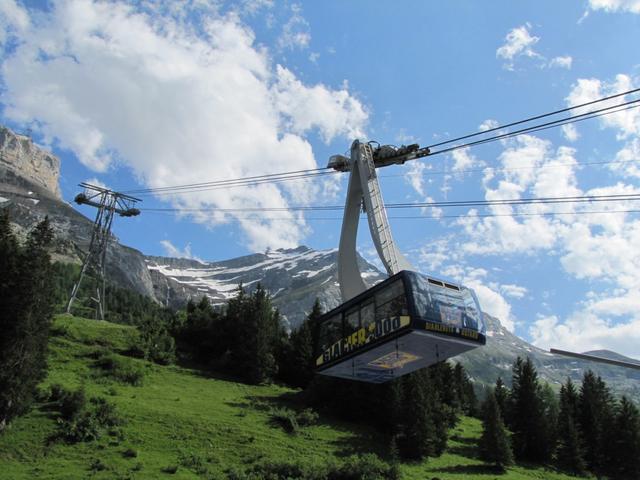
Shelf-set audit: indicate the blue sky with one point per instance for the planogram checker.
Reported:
(152, 94)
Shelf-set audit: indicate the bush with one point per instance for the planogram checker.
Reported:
(121, 369)
(194, 462)
(286, 418)
(171, 469)
(97, 465)
(72, 403)
(130, 453)
(364, 467)
(357, 467)
(307, 417)
(105, 413)
(82, 421)
(57, 391)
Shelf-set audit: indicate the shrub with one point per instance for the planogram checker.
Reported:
(121, 369)
(82, 421)
(171, 469)
(286, 418)
(130, 453)
(72, 403)
(57, 392)
(105, 412)
(357, 467)
(97, 465)
(194, 462)
(307, 417)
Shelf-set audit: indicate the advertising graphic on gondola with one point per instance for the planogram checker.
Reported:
(362, 337)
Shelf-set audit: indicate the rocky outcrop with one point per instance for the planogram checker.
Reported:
(20, 157)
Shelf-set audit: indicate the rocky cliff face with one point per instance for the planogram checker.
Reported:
(29, 189)
(19, 157)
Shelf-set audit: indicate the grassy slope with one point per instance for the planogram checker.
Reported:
(179, 417)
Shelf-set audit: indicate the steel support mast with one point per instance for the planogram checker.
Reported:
(364, 193)
(108, 204)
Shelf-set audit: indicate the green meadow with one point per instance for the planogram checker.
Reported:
(178, 423)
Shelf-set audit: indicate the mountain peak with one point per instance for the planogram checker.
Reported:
(22, 158)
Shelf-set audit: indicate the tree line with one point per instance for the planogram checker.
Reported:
(246, 338)
(581, 430)
(26, 308)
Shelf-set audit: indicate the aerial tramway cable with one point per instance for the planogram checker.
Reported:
(311, 173)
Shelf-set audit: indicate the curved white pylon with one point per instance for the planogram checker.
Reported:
(364, 190)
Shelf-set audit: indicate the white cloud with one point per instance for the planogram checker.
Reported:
(295, 33)
(415, 178)
(97, 183)
(562, 62)
(585, 331)
(463, 160)
(632, 6)
(178, 103)
(13, 19)
(333, 112)
(488, 124)
(518, 42)
(493, 303)
(514, 291)
(626, 122)
(172, 251)
(570, 132)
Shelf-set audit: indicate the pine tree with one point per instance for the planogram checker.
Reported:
(595, 415)
(501, 394)
(466, 396)
(625, 461)
(257, 335)
(570, 456)
(297, 364)
(495, 446)
(419, 431)
(531, 440)
(26, 305)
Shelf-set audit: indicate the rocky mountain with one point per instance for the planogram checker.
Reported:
(29, 189)
(294, 277)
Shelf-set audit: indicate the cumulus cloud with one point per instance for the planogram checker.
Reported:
(570, 132)
(295, 32)
(178, 102)
(172, 251)
(599, 249)
(518, 42)
(463, 160)
(488, 124)
(632, 6)
(514, 291)
(562, 62)
(415, 178)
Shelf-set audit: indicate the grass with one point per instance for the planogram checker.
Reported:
(181, 424)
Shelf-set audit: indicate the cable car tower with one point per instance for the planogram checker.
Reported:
(108, 204)
(409, 320)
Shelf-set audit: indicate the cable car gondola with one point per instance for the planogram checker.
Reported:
(409, 320)
(405, 323)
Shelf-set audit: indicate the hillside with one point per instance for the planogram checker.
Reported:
(201, 427)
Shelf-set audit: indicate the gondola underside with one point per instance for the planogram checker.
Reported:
(399, 356)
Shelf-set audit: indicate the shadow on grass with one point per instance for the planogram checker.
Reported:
(472, 470)
(468, 447)
(353, 438)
